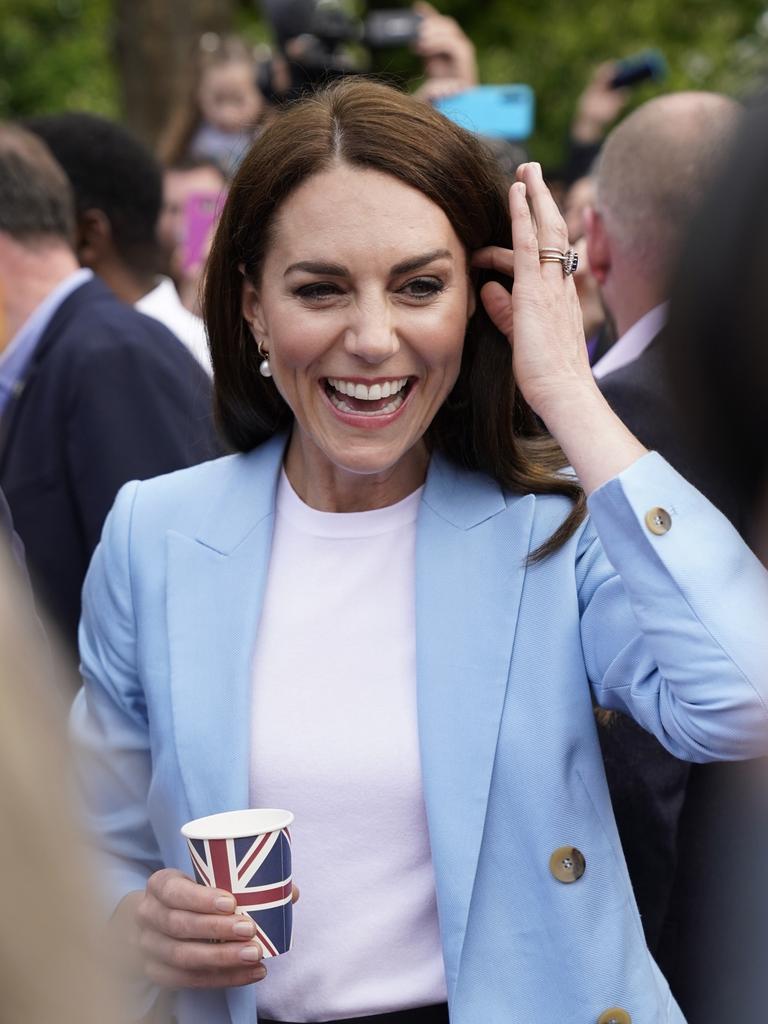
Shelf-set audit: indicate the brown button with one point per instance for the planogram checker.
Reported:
(614, 1016)
(658, 521)
(567, 864)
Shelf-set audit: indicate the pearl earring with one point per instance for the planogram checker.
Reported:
(264, 368)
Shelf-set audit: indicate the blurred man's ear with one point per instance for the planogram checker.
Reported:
(94, 238)
(598, 246)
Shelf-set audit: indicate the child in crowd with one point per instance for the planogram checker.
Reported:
(226, 109)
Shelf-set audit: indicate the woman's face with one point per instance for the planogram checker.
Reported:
(362, 306)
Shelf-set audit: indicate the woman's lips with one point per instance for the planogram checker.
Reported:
(370, 411)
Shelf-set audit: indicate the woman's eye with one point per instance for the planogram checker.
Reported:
(319, 291)
(423, 287)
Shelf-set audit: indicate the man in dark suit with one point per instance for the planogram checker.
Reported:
(118, 189)
(654, 169)
(92, 393)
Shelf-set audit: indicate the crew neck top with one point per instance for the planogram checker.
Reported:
(334, 739)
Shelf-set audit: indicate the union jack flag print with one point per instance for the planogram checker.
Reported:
(257, 871)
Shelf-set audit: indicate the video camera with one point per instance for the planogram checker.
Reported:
(315, 36)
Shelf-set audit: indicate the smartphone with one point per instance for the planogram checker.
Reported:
(384, 29)
(648, 64)
(201, 214)
(497, 111)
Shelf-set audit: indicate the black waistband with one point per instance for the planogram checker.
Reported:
(422, 1015)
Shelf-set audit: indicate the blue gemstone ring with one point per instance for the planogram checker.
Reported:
(569, 260)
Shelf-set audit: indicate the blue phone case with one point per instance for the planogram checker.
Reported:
(498, 111)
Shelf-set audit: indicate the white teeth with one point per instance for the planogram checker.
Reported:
(343, 406)
(367, 394)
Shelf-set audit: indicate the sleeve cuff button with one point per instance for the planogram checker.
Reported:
(658, 521)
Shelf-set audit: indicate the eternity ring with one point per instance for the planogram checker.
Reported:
(568, 259)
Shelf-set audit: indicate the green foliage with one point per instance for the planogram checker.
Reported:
(553, 45)
(55, 55)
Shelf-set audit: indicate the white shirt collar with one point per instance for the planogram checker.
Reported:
(42, 314)
(633, 342)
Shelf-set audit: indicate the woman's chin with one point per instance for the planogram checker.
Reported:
(368, 457)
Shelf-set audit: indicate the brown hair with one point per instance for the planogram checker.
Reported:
(485, 424)
(36, 199)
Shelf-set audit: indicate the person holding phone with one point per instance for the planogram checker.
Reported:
(450, 62)
(598, 106)
(392, 609)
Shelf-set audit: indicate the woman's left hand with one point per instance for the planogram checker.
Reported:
(542, 321)
(541, 316)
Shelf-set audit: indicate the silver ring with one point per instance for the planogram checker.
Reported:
(569, 260)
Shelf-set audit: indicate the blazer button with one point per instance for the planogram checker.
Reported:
(658, 521)
(567, 864)
(614, 1016)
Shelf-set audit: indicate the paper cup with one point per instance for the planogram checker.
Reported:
(248, 853)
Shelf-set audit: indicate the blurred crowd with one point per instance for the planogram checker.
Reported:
(105, 377)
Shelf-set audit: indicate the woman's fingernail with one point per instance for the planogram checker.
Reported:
(226, 904)
(244, 928)
(251, 954)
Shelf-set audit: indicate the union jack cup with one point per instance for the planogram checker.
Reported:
(248, 853)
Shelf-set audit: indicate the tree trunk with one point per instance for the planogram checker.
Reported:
(156, 44)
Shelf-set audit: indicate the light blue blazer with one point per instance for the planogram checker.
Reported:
(509, 656)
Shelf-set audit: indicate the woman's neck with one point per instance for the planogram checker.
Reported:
(327, 487)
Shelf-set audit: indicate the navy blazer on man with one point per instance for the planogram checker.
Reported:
(109, 396)
(693, 836)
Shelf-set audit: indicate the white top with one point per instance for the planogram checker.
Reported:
(633, 342)
(334, 739)
(163, 304)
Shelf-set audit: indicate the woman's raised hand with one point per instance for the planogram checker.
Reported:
(185, 935)
(541, 316)
(542, 321)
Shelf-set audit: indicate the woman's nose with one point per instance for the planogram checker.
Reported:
(372, 338)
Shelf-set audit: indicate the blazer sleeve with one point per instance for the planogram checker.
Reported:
(109, 716)
(674, 624)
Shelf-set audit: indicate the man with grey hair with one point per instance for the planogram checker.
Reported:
(651, 175)
(654, 170)
(92, 393)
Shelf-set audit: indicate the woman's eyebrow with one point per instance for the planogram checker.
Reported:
(313, 267)
(417, 262)
(337, 270)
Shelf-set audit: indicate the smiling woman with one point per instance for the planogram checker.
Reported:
(389, 613)
(366, 347)
(347, 236)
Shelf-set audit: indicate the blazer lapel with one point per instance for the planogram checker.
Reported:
(471, 550)
(215, 590)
